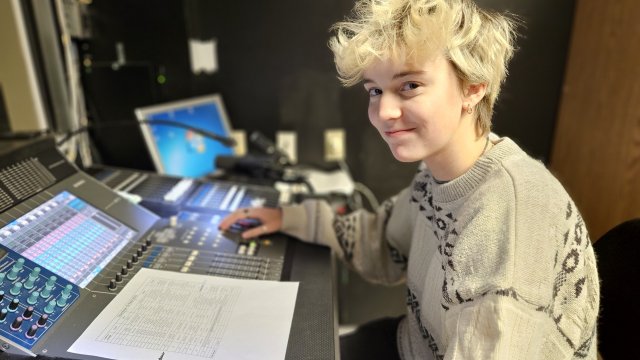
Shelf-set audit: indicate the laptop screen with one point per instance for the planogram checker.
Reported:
(180, 151)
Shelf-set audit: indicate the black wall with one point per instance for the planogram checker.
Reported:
(527, 108)
(276, 72)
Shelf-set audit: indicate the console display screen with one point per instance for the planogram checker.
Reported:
(68, 237)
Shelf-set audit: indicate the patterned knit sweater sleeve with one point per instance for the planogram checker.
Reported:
(374, 244)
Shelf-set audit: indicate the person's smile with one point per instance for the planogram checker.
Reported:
(395, 133)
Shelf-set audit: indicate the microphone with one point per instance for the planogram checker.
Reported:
(226, 141)
(260, 167)
(268, 147)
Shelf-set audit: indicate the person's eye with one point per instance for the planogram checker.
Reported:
(374, 92)
(409, 86)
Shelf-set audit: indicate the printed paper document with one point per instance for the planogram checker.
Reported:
(168, 315)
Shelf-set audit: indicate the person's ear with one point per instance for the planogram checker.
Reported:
(473, 93)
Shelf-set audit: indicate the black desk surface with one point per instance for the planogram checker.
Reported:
(314, 329)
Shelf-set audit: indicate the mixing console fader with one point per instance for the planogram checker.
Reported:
(194, 244)
(214, 263)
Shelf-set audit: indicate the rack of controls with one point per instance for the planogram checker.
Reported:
(32, 299)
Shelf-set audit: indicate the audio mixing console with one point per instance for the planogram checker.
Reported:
(69, 244)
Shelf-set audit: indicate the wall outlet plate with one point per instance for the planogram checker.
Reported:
(335, 147)
(240, 136)
(287, 142)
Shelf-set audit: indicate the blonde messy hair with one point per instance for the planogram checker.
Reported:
(478, 42)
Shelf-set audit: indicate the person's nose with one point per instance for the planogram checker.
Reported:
(389, 107)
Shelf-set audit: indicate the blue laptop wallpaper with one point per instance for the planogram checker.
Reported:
(183, 152)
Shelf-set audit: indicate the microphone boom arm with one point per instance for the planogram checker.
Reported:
(226, 141)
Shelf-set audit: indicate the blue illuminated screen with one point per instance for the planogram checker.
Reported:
(183, 152)
(68, 237)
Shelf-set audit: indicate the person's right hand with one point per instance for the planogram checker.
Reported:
(270, 220)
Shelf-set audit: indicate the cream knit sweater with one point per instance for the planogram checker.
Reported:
(498, 263)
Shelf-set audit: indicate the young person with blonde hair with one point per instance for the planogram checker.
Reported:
(495, 255)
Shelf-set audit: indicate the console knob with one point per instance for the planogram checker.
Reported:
(134, 258)
(28, 312)
(14, 304)
(139, 252)
(51, 282)
(3, 314)
(66, 292)
(33, 298)
(15, 290)
(143, 247)
(29, 283)
(129, 264)
(32, 278)
(15, 269)
(32, 331)
(62, 301)
(1, 295)
(42, 320)
(112, 284)
(16, 323)
(13, 274)
(124, 271)
(35, 272)
(118, 277)
(51, 306)
(148, 242)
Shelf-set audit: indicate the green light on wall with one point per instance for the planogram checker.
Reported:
(161, 79)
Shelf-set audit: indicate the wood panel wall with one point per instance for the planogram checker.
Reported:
(596, 152)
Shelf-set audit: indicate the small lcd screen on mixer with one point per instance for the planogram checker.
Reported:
(68, 237)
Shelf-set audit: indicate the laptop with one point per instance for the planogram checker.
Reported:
(175, 148)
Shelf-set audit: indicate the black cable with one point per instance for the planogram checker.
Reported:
(23, 135)
(226, 141)
(71, 134)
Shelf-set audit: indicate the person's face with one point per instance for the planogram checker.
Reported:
(418, 109)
